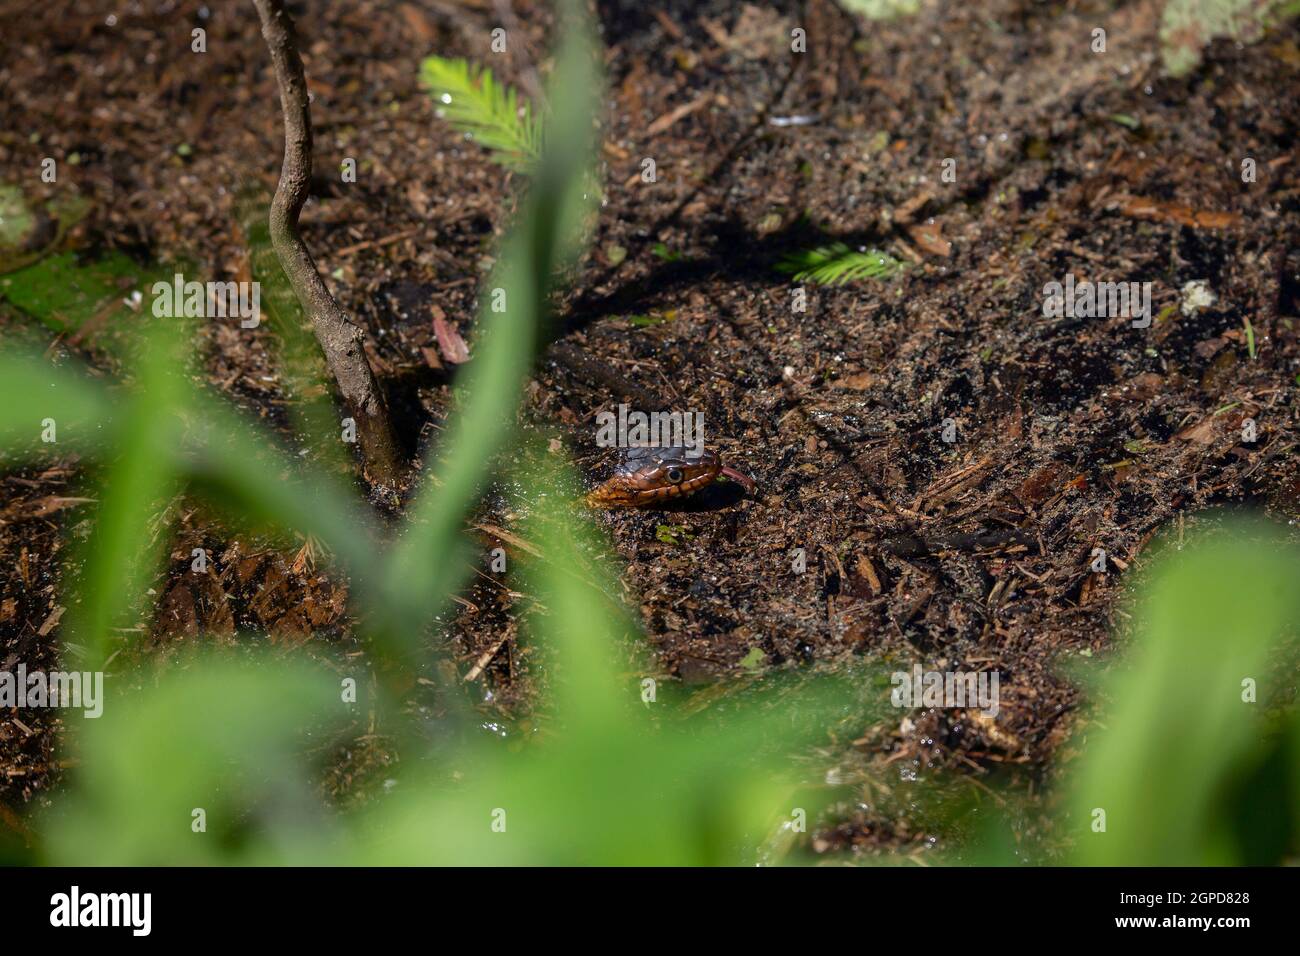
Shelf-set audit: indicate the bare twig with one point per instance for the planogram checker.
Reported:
(339, 338)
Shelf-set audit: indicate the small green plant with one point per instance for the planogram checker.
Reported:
(837, 264)
(494, 115)
(652, 319)
(672, 533)
(662, 250)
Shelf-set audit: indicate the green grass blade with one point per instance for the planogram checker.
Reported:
(235, 464)
(1177, 730)
(34, 395)
(123, 551)
(222, 736)
(546, 237)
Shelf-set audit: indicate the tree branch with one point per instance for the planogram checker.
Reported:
(339, 338)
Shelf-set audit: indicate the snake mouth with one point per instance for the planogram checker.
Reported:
(739, 478)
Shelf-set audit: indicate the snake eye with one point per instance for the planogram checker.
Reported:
(675, 475)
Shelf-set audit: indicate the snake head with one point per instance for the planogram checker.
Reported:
(648, 475)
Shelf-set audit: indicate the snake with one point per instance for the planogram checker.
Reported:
(647, 475)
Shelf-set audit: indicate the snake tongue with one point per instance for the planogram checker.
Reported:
(739, 477)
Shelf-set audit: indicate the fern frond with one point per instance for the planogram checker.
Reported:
(471, 99)
(837, 264)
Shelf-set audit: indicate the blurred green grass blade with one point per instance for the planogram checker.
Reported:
(32, 389)
(612, 779)
(639, 787)
(545, 238)
(1293, 779)
(1176, 728)
(617, 780)
(161, 434)
(124, 548)
(587, 638)
(237, 465)
(217, 734)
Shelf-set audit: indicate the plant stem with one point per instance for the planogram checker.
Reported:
(339, 338)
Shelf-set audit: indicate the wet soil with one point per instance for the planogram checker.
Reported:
(1067, 434)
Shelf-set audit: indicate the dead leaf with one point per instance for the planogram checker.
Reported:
(1157, 210)
(49, 505)
(508, 538)
(1041, 485)
(1142, 387)
(1208, 348)
(930, 238)
(177, 614)
(907, 211)
(452, 346)
(51, 621)
(681, 112)
(1202, 433)
(419, 22)
(990, 730)
(867, 571)
(858, 383)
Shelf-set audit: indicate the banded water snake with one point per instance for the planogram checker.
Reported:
(651, 475)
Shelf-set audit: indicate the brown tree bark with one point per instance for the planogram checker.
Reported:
(340, 339)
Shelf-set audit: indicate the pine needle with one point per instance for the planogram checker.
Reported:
(837, 264)
(492, 114)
